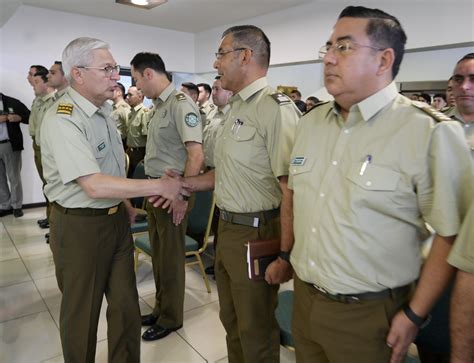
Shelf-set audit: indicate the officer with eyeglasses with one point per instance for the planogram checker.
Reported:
(366, 172)
(84, 167)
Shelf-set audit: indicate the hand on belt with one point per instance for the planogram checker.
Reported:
(250, 219)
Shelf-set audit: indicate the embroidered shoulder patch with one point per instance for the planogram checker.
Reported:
(280, 98)
(191, 119)
(180, 96)
(65, 109)
(438, 116)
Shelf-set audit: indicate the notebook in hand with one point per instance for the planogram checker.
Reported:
(260, 253)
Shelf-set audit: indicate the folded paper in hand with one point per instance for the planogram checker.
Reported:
(260, 253)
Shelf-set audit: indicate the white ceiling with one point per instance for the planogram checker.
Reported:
(191, 16)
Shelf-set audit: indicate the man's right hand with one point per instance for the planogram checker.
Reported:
(3, 118)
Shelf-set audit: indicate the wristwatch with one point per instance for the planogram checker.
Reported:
(285, 255)
(416, 319)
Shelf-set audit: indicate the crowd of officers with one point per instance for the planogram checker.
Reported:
(349, 187)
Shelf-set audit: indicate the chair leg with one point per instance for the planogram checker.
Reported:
(203, 273)
(136, 253)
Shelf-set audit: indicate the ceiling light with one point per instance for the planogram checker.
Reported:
(143, 4)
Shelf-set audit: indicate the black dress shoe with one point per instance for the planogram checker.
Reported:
(47, 237)
(157, 332)
(149, 320)
(5, 212)
(18, 212)
(42, 221)
(209, 270)
(44, 225)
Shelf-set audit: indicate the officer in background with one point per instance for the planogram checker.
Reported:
(84, 167)
(367, 171)
(463, 92)
(174, 142)
(137, 128)
(121, 109)
(251, 156)
(205, 105)
(462, 303)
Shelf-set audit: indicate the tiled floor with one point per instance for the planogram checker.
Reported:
(30, 299)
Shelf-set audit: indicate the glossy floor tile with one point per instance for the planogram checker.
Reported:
(30, 304)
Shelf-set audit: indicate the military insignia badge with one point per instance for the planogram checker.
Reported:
(101, 146)
(191, 119)
(65, 109)
(181, 97)
(165, 112)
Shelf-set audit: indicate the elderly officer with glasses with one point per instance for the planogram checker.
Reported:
(84, 168)
(367, 171)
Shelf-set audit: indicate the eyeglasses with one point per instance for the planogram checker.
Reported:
(459, 80)
(109, 70)
(343, 48)
(219, 55)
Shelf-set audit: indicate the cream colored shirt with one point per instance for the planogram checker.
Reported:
(462, 253)
(253, 149)
(208, 107)
(364, 188)
(120, 115)
(38, 109)
(216, 120)
(137, 126)
(467, 126)
(175, 121)
(79, 139)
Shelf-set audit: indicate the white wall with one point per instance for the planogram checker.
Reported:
(297, 33)
(38, 36)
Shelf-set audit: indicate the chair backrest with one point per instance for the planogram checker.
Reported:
(198, 218)
(138, 173)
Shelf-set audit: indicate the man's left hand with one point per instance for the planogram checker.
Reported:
(401, 334)
(13, 117)
(178, 208)
(278, 271)
(131, 211)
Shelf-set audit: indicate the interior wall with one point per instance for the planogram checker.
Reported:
(297, 33)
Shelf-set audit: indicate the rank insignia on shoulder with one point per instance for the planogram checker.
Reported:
(65, 109)
(280, 98)
(191, 119)
(180, 96)
(298, 160)
(438, 116)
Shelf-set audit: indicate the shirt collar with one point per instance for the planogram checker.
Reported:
(166, 92)
(225, 109)
(48, 96)
(251, 89)
(138, 107)
(83, 103)
(373, 104)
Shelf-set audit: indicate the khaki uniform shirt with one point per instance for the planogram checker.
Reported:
(79, 139)
(467, 126)
(175, 121)
(120, 115)
(216, 119)
(137, 126)
(38, 109)
(462, 253)
(253, 149)
(46, 106)
(364, 188)
(208, 107)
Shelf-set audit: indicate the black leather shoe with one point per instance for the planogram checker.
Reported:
(42, 221)
(18, 212)
(209, 270)
(149, 320)
(5, 212)
(46, 236)
(157, 332)
(44, 225)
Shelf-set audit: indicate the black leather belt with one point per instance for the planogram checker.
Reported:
(250, 219)
(372, 295)
(4, 141)
(89, 212)
(140, 148)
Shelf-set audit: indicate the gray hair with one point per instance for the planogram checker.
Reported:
(79, 53)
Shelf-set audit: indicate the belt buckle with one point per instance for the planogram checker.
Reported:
(112, 210)
(256, 221)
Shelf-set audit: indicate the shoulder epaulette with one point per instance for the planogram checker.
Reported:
(280, 98)
(65, 109)
(316, 106)
(180, 96)
(438, 116)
